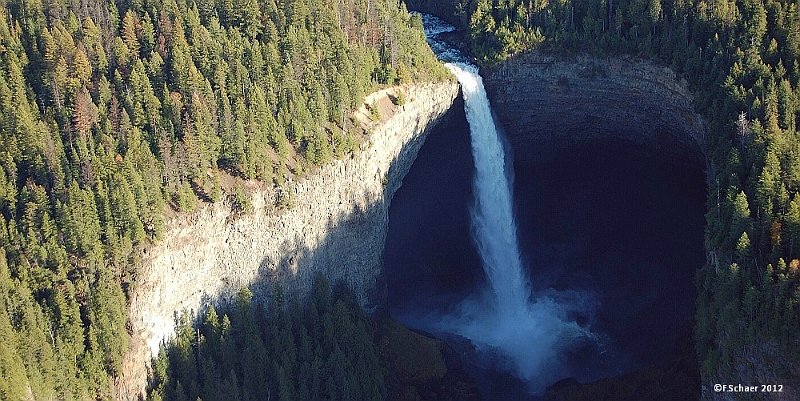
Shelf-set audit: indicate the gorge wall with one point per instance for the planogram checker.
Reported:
(336, 225)
(590, 98)
(568, 112)
(624, 98)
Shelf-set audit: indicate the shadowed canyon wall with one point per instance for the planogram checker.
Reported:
(632, 101)
(336, 225)
(609, 189)
(587, 98)
(566, 113)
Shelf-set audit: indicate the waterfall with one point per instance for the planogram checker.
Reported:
(529, 332)
(495, 231)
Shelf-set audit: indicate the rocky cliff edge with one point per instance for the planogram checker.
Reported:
(335, 224)
(546, 102)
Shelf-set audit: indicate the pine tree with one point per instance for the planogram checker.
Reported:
(792, 225)
(108, 112)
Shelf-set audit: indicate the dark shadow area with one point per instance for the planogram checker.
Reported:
(625, 223)
(617, 219)
(430, 261)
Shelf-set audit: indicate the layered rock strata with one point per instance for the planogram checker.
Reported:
(544, 102)
(333, 222)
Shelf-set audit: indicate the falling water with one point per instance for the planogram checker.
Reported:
(493, 223)
(529, 331)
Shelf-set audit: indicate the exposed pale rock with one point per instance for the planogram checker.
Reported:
(336, 226)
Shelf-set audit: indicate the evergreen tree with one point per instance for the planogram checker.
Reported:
(110, 111)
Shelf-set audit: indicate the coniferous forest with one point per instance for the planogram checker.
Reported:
(114, 115)
(741, 59)
(324, 348)
(322, 351)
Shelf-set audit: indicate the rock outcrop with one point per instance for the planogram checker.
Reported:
(445, 9)
(549, 103)
(335, 224)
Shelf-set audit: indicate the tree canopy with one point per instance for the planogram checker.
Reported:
(113, 112)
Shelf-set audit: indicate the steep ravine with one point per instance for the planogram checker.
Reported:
(548, 106)
(632, 100)
(609, 194)
(336, 225)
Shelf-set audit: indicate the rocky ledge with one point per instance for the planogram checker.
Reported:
(544, 102)
(335, 224)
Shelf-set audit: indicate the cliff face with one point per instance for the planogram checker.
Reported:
(336, 225)
(548, 105)
(587, 98)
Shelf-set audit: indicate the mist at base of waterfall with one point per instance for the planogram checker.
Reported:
(531, 333)
(606, 224)
(534, 342)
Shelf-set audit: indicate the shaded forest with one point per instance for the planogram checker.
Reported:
(741, 60)
(325, 348)
(114, 115)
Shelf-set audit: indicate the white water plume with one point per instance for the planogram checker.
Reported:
(530, 331)
(492, 215)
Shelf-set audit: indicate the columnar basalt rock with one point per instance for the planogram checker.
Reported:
(546, 100)
(335, 224)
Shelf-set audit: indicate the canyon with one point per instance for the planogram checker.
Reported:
(336, 222)
(606, 157)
